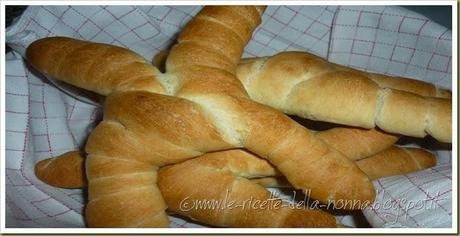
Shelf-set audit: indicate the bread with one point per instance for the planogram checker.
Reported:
(191, 179)
(361, 142)
(354, 143)
(396, 161)
(404, 84)
(357, 143)
(390, 162)
(184, 191)
(399, 83)
(153, 119)
(238, 202)
(305, 85)
(188, 190)
(64, 171)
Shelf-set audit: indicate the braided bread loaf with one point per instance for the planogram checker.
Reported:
(145, 127)
(306, 85)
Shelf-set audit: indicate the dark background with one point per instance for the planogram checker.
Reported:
(439, 14)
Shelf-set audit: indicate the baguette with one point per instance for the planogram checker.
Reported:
(198, 106)
(305, 85)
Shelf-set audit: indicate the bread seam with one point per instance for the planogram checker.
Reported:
(419, 167)
(260, 65)
(121, 192)
(146, 173)
(222, 24)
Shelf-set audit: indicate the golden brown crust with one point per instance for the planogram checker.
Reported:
(404, 84)
(202, 32)
(329, 90)
(308, 86)
(392, 161)
(396, 161)
(308, 156)
(96, 67)
(258, 128)
(231, 200)
(349, 141)
(389, 162)
(414, 86)
(390, 117)
(440, 118)
(187, 189)
(146, 129)
(357, 143)
(197, 54)
(64, 171)
(187, 183)
(150, 130)
(201, 80)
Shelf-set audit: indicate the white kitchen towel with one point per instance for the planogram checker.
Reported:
(43, 120)
(392, 41)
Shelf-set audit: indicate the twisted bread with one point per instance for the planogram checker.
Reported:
(64, 171)
(230, 200)
(390, 162)
(188, 191)
(234, 165)
(67, 170)
(404, 84)
(396, 161)
(354, 143)
(306, 85)
(238, 202)
(399, 83)
(357, 143)
(144, 127)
